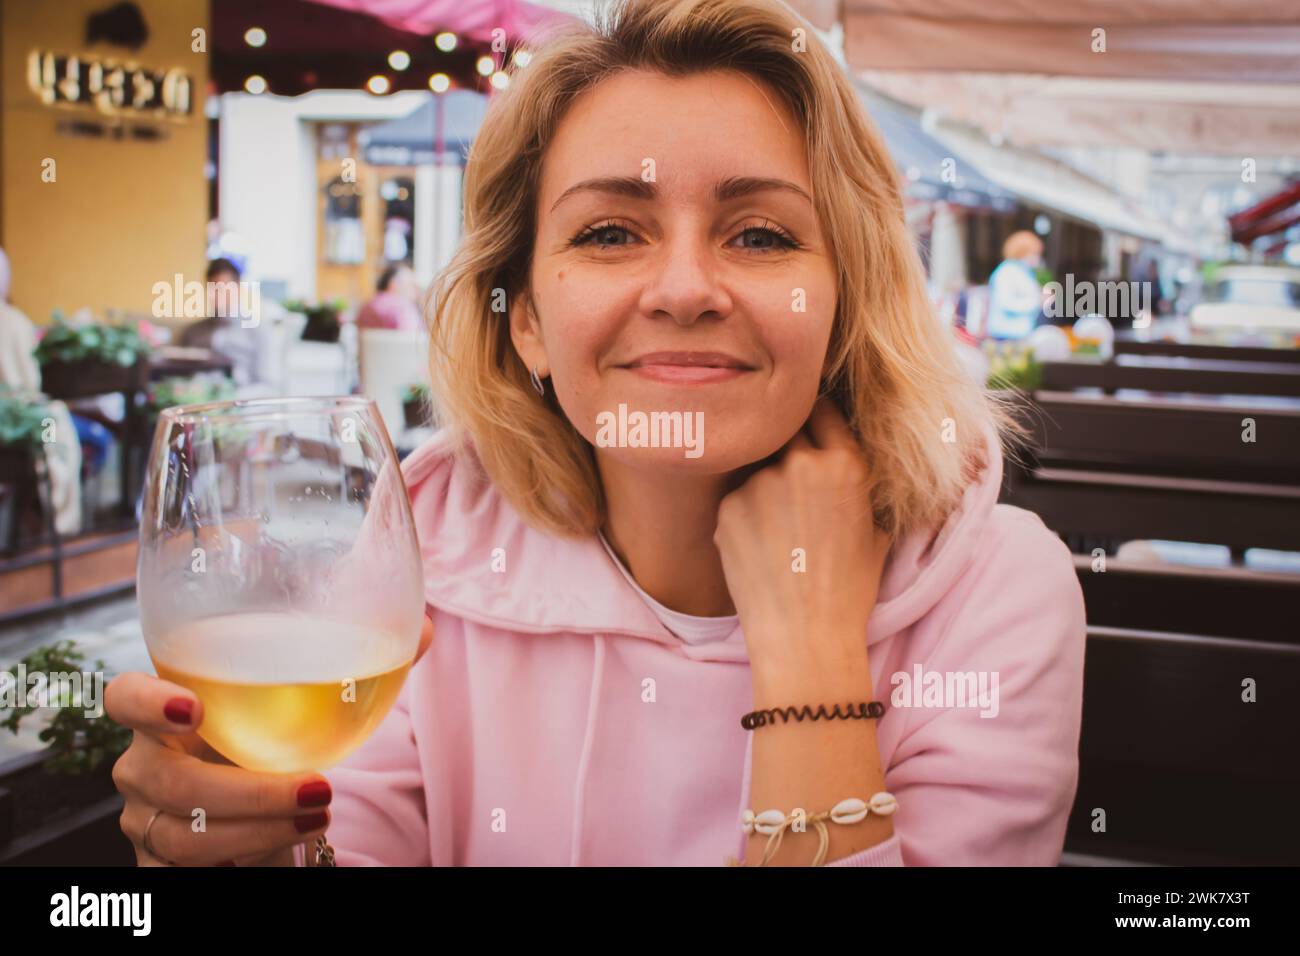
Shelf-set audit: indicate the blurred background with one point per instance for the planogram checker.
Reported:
(206, 199)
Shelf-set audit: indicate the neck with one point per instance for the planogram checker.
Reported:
(662, 529)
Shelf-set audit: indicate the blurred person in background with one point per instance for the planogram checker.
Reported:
(1015, 297)
(395, 303)
(224, 331)
(20, 374)
(200, 334)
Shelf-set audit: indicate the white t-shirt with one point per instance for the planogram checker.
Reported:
(689, 627)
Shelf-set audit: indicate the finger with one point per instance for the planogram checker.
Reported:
(180, 784)
(174, 838)
(144, 858)
(151, 705)
(828, 427)
(426, 638)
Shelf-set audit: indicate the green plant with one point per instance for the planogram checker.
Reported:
(1013, 366)
(79, 744)
(192, 390)
(1044, 275)
(114, 344)
(21, 421)
(417, 392)
(329, 309)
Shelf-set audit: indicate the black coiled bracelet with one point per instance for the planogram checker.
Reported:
(860, 711)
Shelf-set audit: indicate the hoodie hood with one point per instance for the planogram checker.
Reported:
(483, 563)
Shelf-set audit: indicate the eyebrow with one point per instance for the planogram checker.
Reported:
(634, 187)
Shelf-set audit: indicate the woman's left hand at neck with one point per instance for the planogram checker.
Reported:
(803, 557)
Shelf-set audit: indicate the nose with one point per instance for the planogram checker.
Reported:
(686, 283)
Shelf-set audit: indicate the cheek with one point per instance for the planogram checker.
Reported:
(799, 352)
(796, 341)
(580, 332)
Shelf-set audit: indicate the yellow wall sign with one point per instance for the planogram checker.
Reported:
(112, 88)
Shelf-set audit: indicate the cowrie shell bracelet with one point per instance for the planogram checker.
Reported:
(773, 823)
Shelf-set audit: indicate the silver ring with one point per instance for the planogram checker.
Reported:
(148, 847)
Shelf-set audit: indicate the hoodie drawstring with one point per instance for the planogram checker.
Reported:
(580, 786)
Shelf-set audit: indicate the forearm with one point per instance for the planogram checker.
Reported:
(814, 764)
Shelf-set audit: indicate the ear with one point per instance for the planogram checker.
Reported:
(526, 334)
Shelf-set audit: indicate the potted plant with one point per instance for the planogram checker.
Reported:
(22, 423)
(61, 800)
(415, 405)
(185, 390)
(190, 390)
(22, 431)
(322, 318)
(90, 358)
(1012, 366)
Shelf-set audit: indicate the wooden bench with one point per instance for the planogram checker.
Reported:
(1127, 470)
(1166, 373)
(1165, 727)
(1125, 345)
(1186, 771)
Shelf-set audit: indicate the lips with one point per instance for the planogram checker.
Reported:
(690, 360)
(688, 368)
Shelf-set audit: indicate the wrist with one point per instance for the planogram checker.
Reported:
(823, 679)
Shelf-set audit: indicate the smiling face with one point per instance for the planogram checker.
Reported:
(691, 276)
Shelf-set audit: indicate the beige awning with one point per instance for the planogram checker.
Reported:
(1205, 76)
(1231, 41)
(1207, 118)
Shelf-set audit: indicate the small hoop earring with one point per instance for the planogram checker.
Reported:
(537, 382)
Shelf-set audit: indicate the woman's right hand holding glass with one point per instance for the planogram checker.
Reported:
(213, 812)
(249, 818)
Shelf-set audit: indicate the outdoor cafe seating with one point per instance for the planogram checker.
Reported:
(1187, 667)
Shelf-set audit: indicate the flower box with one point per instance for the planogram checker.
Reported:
(87, 377)
(57, 819)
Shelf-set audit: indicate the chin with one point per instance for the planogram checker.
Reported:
(715, 455)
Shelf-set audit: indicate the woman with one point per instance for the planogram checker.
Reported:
(394, 305)
(21, 375)
(233, 328)
(1015, 297)
(606, 610)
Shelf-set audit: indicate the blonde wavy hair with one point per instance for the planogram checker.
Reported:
(891, 365)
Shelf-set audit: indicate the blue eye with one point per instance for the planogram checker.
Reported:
(587, 235)
(775, 238)
(780, 239)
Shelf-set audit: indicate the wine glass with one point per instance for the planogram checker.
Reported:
(279, 574)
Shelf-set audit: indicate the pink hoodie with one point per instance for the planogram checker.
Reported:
(527, 734)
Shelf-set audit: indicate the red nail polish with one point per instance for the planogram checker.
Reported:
(317, 793)
(179, 710)
(310, 821)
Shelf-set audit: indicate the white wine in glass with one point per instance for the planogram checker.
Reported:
(279, 574)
